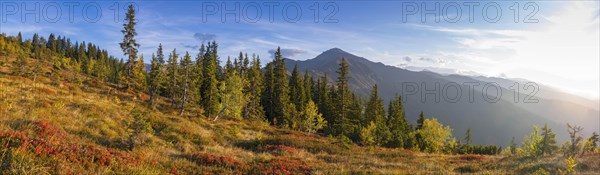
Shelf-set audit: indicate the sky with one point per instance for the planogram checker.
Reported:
(555, 43)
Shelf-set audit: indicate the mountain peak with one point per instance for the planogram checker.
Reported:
(335, 49)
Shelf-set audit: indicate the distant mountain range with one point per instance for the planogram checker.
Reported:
(494, 122)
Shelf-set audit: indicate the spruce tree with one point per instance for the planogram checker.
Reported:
(398, 125)
(282, 108)
(186, 82)
(308, 84)
(418, 137)
(129, 44)
(139, 74)
(156, 74)
(468, 136)
(253, 109)
(312, 119)
(20, 38)
(297, 93)
(513, 146)
(267, 96)
(209, 88)
(234, 99)
(375, 113)
(173, 77)
(324, 103)
(548, 142)
(420, 121)
(343, 91)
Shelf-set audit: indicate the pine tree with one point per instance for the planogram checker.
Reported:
(312, 119)
(531, 144)
(343, 92)
(398, 125)
(209, 87)
(228, 67)
(36, 46)
(234, 99)
(157, 76)
(129, 44)
(198, 68)
(548, 142)
(282, 107)
(420, 121)
(173, 77)
(375, 113)
(20, 38)
(186, 82)
(420, 143)
(139, 74)
(52, 43)
(308, 84)
(367, 135)
(323, 100)
(513, 146)
(297, 93)
(468, 136)
(267, 96)
(253, 109)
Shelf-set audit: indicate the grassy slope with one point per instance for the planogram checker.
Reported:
(84, 127)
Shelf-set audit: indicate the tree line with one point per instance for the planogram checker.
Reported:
(242, 89)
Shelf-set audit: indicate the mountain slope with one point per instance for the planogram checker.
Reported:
(503, 119)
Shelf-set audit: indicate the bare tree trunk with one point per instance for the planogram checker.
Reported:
(221, 112)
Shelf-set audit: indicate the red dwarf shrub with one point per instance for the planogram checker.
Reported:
(218, 161)
(280, 166)
(279, 150)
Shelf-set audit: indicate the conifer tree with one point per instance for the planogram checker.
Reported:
(282, 108)
(255, 79)
(398, 125)
(548, 142)
(267, 96)
(173, 77)
(420, 121)
(343, 92)
(234, 99)
(186, 82)
(156, 75)
(312, 119)
(52, 43)
(139, 74)
(418, 137)
(354, 120)
(513, 146)
(323, 99)
(198, 68)
(375, 113)
(129, 44)
(308, 86)
(297, 93)
(20, 38)
(468, 136)
(209, 89)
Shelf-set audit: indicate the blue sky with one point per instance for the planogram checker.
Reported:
(558, 46)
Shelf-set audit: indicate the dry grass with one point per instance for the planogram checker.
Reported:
(94, 116)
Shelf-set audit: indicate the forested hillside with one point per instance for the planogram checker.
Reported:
(72, 108)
